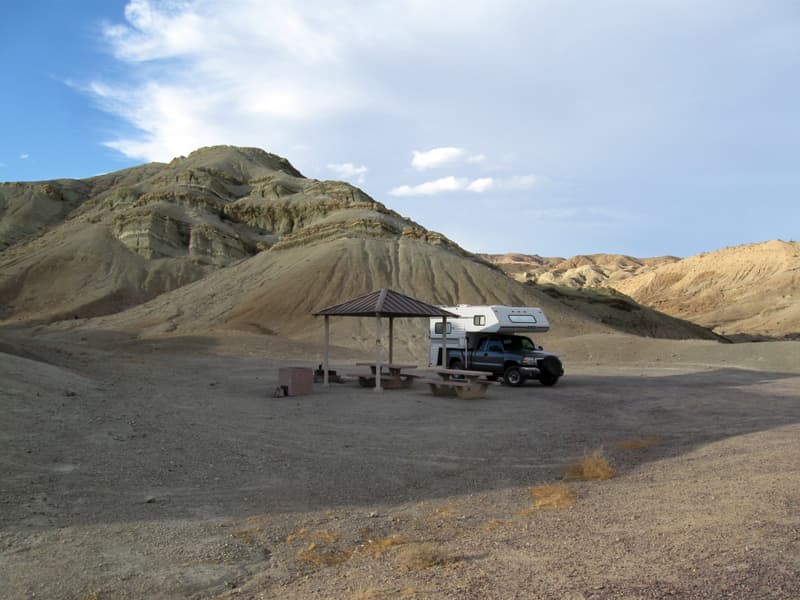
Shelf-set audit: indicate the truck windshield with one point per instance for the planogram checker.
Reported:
(518, 343)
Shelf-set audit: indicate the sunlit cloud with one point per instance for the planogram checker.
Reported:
(443, 185)
(350, 172)
(480, 185)
(463, 184)
(441, 157)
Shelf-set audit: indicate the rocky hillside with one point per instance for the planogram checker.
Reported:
(591, 270)
(749, 291)
(752, 289)
(237, 238)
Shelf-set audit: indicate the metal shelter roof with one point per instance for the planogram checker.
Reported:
(386, 303)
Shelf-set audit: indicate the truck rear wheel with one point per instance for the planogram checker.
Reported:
(456, 364)
(513, 376)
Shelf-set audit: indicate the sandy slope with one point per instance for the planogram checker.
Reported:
(747, 290)
(753, 289)
(163, 468)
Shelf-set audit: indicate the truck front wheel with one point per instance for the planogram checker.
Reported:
(514, 376)
(547, 379)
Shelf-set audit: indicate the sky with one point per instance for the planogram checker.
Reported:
(551, 127)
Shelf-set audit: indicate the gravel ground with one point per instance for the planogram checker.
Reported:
(167, 469)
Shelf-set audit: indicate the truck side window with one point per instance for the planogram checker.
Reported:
(495, 347)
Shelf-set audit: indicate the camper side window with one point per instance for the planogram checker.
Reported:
(437, 328)
(479, 320)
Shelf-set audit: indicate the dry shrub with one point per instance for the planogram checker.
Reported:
(640, 443)
(322, 557)
(248, 536)
(422, 556)
(297, 534)
(451, 510)
(495, 523)
(594, 466)
(378, 594)
(552, 495)
(324, 537)
(377, 548)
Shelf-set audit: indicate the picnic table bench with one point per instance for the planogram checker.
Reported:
(392, 375)
(459, 382)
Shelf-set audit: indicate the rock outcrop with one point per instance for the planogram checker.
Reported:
(237, 238)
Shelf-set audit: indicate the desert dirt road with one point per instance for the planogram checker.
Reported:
(167, 469)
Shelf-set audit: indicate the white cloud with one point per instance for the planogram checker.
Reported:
(24, 156)
(480, 185)
(440, 157)
(430, 188)
(349, 171)
(462, 184)
(521, 182)
(445, 184)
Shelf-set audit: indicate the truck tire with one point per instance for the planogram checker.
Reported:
(513, 376)
(456, 363)
(547, 379)
(550, 369)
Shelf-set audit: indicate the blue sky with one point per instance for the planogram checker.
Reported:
(547, 127)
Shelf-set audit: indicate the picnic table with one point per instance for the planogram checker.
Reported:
(459, 382)
(392, 375)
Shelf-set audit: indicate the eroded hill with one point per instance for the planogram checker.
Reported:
(237, 238)
(751, 290)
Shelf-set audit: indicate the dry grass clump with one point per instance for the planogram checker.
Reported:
(496, 524)
(594, 466)
(379, 594)
(553, 495)
(321, 556)
(640, 443)
(451, 510)
(422, 556)
(325, 537)
(377, 548)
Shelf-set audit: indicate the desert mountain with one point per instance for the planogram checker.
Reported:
(749, 290)
(589, 270)
(752, 289)
(237, 238)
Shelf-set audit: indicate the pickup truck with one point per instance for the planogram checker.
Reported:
(515, 358)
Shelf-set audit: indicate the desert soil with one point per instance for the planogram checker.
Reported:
(168, 469)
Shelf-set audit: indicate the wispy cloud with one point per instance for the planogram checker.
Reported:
(24, 156)
(440, 157)
(521, 182)
(445, 184)
(464, 184)
(350, 172)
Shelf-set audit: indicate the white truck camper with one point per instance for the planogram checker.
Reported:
(483, 337)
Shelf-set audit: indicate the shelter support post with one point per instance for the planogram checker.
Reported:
(325, 356)
(444, 342)
(378, 353)
(391, 340)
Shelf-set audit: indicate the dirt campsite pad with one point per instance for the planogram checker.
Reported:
(167, 469)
